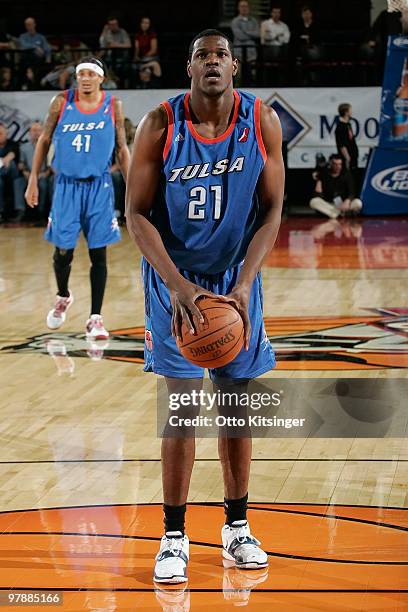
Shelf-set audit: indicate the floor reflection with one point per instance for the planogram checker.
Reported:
(307, 242)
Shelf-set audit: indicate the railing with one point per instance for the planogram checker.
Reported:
(260, 66)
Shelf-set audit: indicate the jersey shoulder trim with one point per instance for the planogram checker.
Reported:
(228, 132)
(170, 128)
(258, 131)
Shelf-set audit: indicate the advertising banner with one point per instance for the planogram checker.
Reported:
(394, 99)
(385, 189)
(308, 116)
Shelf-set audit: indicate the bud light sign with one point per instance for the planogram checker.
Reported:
(392, 181)
(385, 189)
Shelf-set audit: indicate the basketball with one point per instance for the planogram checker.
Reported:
(218, 340)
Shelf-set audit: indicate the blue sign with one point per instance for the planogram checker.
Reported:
(385, 189)
(394, 102)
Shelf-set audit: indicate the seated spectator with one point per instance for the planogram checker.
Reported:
(61, 76)
(36, 49)
(7, 45)
(275, 35)
(9, 158)
(334, 190)
(25, 165)
(6, 79)
(146, 50)
(29, 81)
(147, 79)
(115, 44)
(307, 36)
(245, 31)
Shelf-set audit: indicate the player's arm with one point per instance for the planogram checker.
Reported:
(270, 190)
(143, 181)
(122, 151)
(41, 149)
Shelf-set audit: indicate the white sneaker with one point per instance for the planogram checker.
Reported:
(56, 317)
(172, 558)
(95, 329)
(241, 547)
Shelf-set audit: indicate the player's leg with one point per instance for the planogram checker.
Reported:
(62, 260)
(63, 230)
(235, 444)
(98, 274)
(100, 228)
(178, 446)
(177, 457)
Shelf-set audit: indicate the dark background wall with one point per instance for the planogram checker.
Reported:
(76, 17)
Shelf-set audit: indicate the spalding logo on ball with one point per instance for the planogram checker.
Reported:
(217, 340)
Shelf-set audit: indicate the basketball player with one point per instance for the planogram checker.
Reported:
(204, 201)
(85, 125)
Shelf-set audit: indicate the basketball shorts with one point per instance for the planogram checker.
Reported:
(82, 204)
(160, 350)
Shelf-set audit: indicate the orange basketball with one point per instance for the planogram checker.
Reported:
(217, 340)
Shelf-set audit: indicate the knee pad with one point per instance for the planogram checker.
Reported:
(63, 257)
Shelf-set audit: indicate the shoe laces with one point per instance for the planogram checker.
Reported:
(174, 545)
(61, 305)
(243, 535)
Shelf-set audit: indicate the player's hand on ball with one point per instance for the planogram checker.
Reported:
(239, 297)
(31, 194)
(183, 300)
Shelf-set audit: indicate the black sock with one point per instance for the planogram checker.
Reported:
(174, 517)
(235, 509)
(62, 268)
(98, 275)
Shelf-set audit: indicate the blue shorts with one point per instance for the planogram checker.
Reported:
(86, 205)
(160, 351)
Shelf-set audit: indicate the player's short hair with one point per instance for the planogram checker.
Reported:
(343, 108)
(210, 32)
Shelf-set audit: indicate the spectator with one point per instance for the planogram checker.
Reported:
(60, 77)
(115, 44)
(246, 33)
(306, 47)
(345, 140)
(6, 79)
(29, 81)
(25, 166)
(275, 34)
(9, 157)
(7, 45)
(334, 190)
(146, 52)
(36, 49)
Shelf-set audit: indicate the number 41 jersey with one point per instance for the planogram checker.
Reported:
(207, 210)
(84, 140)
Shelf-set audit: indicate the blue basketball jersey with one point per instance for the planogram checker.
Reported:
(207, 209)
(84, 141)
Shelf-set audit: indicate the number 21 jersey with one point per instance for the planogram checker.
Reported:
(84, 140)
(207, 210)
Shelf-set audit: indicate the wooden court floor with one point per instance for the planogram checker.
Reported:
(80, 486)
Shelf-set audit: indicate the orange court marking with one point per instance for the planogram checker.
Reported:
(101, 557)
